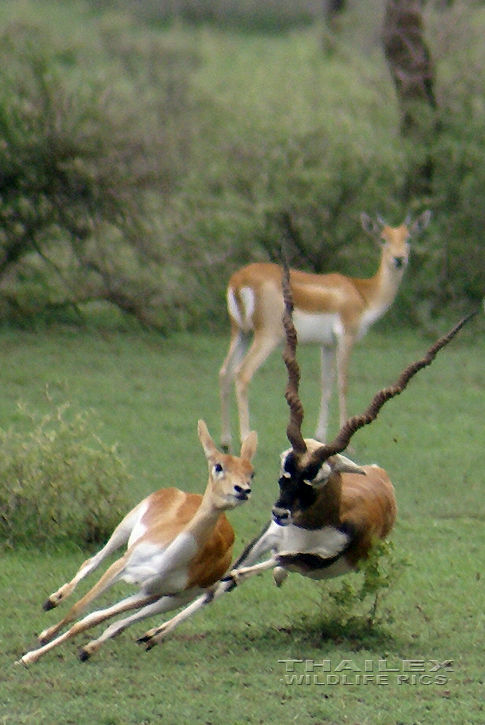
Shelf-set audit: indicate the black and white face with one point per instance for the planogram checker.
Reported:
(299, 485)
(302, 480)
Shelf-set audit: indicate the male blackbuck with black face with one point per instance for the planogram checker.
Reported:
(329, 511)
(179, 544)
(330, 310)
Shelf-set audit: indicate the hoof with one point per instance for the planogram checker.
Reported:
(279, 575)
(27, 659)
(232, 580)
(83, 654)
(146, 641)
(46, 636)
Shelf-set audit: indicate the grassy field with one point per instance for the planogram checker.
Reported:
(231, 664)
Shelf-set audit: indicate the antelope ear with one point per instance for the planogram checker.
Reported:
(342, 464)
(421, 222)
(248, 448)
(370, 226)
(204, 436)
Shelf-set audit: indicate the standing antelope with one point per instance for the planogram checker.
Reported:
(329, 309)
(179, 544)
(329, 510)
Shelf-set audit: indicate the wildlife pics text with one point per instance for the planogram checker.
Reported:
(366, 672)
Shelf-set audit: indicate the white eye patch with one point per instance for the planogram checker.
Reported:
(322, 476)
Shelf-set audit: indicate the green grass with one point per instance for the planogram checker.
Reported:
(223, 666)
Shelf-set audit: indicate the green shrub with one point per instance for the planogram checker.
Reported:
(93, 137)
(270, 16)
(59, 482)
(352, 604)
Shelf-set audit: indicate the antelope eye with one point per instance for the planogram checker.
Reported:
(218, 468)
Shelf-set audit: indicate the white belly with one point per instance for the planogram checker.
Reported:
(319, 327)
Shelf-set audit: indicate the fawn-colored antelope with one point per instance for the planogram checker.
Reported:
(179, 544)
(330, 310)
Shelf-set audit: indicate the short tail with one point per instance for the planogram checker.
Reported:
(241, 307)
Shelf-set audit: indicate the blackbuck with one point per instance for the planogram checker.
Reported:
(329, 511)
(330, 310)
(179, 544)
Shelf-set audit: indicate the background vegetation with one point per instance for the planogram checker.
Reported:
(150, 148)
(59, 483)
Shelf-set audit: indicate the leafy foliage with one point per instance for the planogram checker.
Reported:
(252, 15)
(59, 483)
(80, 163)
(352, 605)
(141, 164)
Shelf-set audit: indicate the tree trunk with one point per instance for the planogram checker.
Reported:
(332, 12)
(412, 72)
(333, 8)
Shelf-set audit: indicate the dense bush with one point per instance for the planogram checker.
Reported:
(84, 164)
(139, 166)
(306, 190)
(250, 15)
(59, 482)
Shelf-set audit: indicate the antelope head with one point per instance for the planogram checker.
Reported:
(394, 241)
(230, 477)
(301, 480)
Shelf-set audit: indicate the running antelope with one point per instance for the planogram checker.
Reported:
(330, 310)
(179, 544)
(329, 510)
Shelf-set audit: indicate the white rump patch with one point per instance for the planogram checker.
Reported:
(242, 317)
